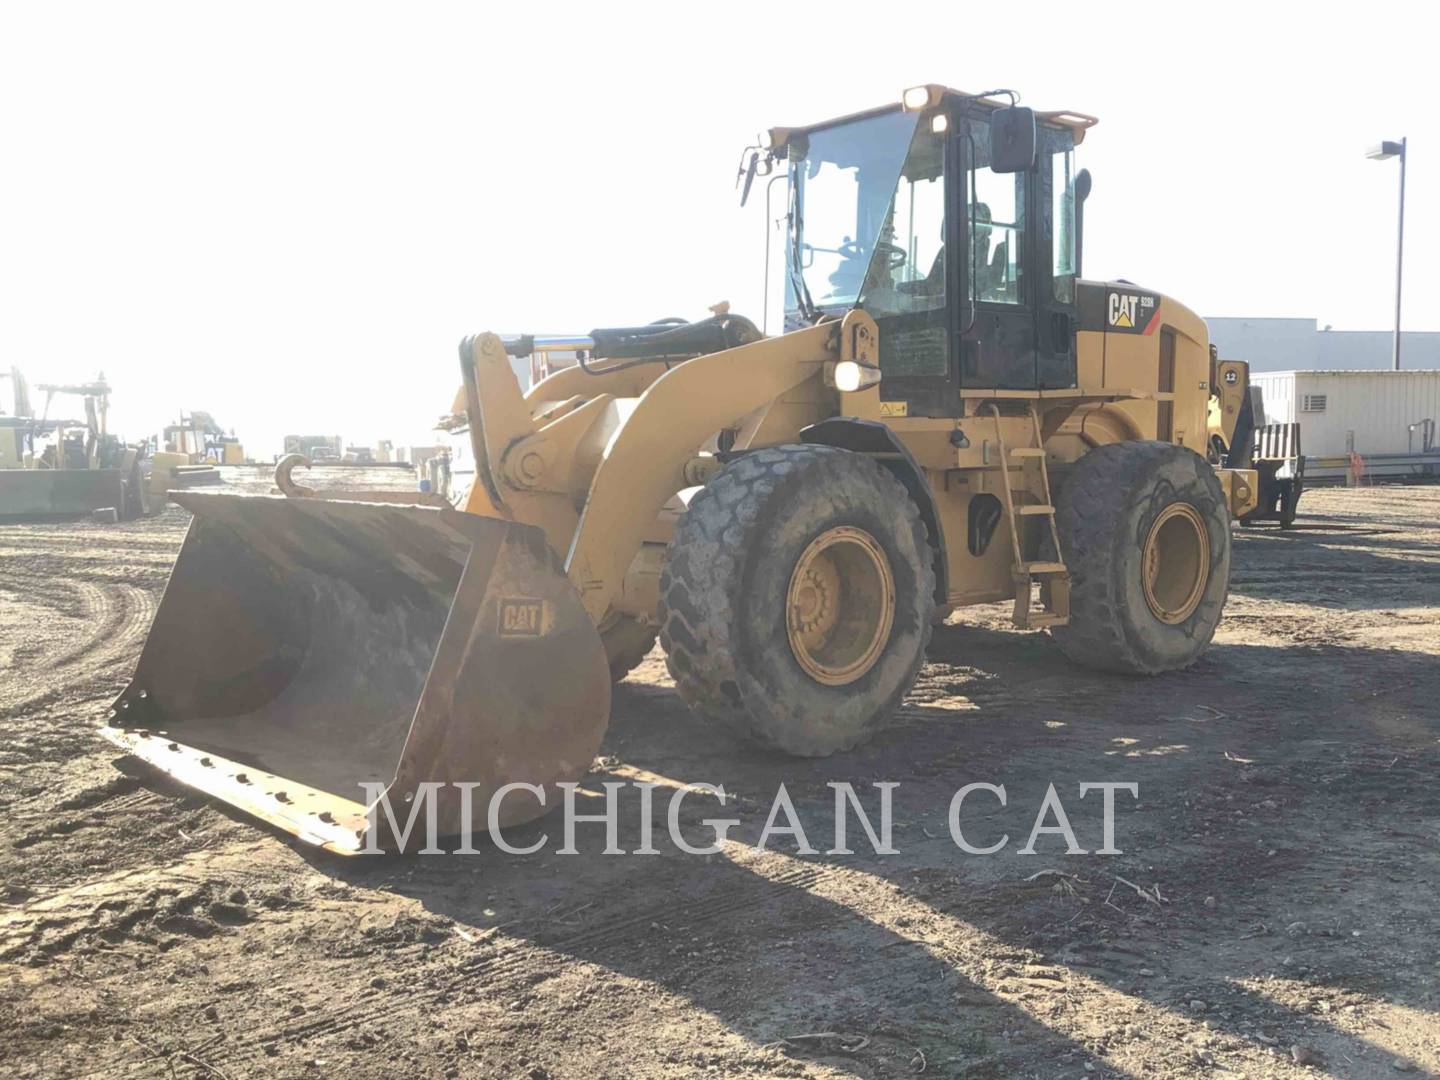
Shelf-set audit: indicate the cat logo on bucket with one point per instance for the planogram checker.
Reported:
(524, 617)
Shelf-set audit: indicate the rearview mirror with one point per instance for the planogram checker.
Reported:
(750, 171)
(1012, 139)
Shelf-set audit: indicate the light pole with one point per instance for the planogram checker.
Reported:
(1386, 150)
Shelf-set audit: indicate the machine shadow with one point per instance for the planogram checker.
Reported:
(808, 946)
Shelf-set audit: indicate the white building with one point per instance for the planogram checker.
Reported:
(1369, 412)
(1298, 345)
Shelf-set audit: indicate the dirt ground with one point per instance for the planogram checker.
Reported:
(1273, 912)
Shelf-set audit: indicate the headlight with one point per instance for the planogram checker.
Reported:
(847, 376)
(916, 98)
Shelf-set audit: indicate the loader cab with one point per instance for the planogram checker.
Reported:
(969, 270)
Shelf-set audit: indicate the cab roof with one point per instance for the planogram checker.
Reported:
(937, 96)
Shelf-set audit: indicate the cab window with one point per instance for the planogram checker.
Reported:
(996, 235)
(904, 285)
(907, 272)
(1062, 225)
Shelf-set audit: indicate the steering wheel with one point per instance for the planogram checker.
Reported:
(895, 256)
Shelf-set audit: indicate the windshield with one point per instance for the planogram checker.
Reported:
(842, 183)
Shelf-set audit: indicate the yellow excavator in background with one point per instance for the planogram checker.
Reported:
(953, 416)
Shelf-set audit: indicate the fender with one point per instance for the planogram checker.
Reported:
(644, 463)
(877, 440)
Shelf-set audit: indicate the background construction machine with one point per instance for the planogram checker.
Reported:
(953, 417)
(202, 440)
(315, 447)
(57, 466)
(17, 422)
(1240, 438)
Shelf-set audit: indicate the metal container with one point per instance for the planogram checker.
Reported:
(1365, 412)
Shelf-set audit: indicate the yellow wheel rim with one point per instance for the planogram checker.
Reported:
(1176, 563)
(840, 605)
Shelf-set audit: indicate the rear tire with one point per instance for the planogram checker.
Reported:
(797, 598)
(1145, 532)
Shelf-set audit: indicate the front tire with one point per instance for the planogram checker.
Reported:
(1145, 532)
(797, 598)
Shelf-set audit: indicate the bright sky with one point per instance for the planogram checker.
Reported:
(288, 214)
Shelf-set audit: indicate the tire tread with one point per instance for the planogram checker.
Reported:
(703, 580)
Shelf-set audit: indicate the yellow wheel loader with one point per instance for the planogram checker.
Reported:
(951, 416)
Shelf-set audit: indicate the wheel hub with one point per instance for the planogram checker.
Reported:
(813, 608)
(840, 606)
(1175, 563)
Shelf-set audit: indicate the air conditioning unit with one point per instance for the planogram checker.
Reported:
(1312, 403)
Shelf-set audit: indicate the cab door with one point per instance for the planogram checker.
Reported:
(967, 317)
(996, 293)
(981, 284)
(1054, 271)
(910, 293)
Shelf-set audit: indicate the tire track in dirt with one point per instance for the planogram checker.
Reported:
(55, 919)
(109, 626)
(85, 811)
(122, 618)
(514, 963)
(64, 916)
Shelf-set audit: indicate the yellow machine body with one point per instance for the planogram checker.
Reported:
(315, 641)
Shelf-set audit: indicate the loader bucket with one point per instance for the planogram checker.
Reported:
(304, 647)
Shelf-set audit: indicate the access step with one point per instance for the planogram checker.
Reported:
(1039, 620)
(1033, 568)
(1027, 452)
(1035, 508)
